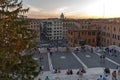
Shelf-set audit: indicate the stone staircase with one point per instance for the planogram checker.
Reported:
(91, 74)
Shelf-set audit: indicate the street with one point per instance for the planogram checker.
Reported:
(71, 60)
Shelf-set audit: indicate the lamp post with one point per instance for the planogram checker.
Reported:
(82, 43)
(57, 45)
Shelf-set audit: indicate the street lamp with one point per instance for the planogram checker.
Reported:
(57, 45)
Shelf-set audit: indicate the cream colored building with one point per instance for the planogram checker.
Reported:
(53, 28)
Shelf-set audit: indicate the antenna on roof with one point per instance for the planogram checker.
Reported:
(103, 9)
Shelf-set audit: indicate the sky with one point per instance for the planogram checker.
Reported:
(73, 8)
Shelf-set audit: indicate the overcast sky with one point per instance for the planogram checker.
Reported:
(73, 8)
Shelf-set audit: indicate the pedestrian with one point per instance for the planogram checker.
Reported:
(67, 49)
(100, 57)
(100, 78)
(114, 50)
(53, 71)
(48, 50)
(91, 50)
(71, 72)
(68, 72)
(114, 75)
(47, 78)
(115, 53)
(118, 67)
(58, 70)
(39, 51)
(118, 75)
(80, 72)
(106, 77)
(40, 68)
(83, 70)
(39, 79)
(103, 56)
(41, 57)
(107, 71)
(50, 53)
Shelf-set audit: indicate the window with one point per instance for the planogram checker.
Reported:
(93, 40)
(78, 34)
(93, 33)
(118, 37)
(113, 43)
(113, 36)
(89, 33)
(114, 29)
(108, 28)
(82, 33)
(104, 40)
(104, 27)
(107, 41)
(108, 34)
(82, 27)
(89, 40)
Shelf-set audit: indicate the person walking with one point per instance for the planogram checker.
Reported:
(118, 75)
(47, 78)
(80, 72)
(50, 53)
(100, 78)
(106, 77)
(114, 75)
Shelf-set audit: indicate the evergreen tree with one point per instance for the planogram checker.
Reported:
(15, 38)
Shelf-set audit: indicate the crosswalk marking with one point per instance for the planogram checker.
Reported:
(109, 59)
(50, 62)
(80, 60)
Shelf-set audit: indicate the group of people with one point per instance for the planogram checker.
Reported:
(102, 57)
(107, 75)
(56, 70)
(111, 52)
(69, 72)
(80, 72)
(82, 49)
(114, 75)
(107, 71)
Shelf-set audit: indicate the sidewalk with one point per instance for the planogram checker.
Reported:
(91, 74)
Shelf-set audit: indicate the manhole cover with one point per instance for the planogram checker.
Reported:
(62, 57)
(88, 56)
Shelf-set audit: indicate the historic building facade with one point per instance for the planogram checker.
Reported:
(110, 33)
(34, 24)
(83, 31)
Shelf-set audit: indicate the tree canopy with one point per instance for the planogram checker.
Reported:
(15, 38)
